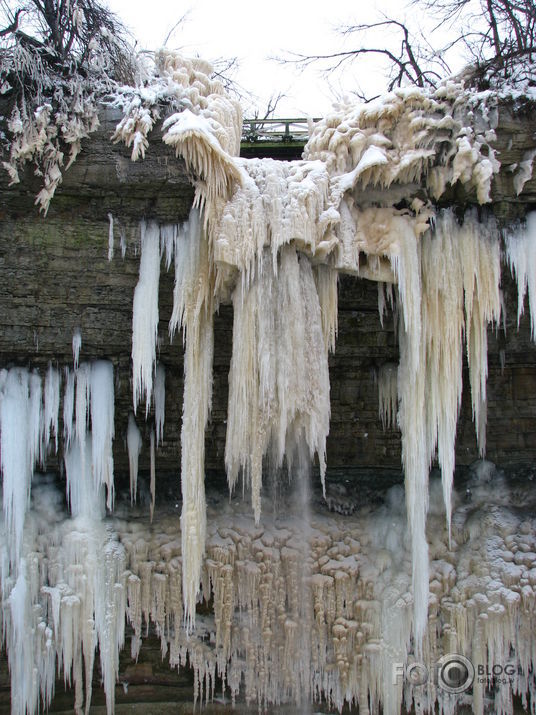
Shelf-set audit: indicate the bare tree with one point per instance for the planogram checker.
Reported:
(55, 57)
(496, 34)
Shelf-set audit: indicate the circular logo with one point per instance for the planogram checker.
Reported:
(455, 673)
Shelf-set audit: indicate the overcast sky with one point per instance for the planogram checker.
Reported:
(254, 31)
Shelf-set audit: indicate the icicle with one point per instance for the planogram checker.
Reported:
(102, 426)
(68, 407)
(521, 256)
(168, 238)
(77, 344)
(193, 311)
(82, 403)
(145, 316)
(36, 418)
(52, 407)
(123, 242)
(388, 395)
(412, 422)
(17, 445)
(84, 495)
(160, 401)
(326, 279)
(279, 379)
(153, 475)
(110, 237)
(134, 443)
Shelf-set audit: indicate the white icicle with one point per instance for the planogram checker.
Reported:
(160, 401)
(77, 344)
(52, 407)
(521, 256)
(145, 316)
(68, 407)
(134, 443)
(17, 444)
(193, 311)
(388, 395)
(36, 420)
(152, 486)
(102, 426)
(110, 237)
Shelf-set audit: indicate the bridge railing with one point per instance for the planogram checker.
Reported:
(277, 130)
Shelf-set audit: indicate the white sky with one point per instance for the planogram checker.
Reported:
(254, 31)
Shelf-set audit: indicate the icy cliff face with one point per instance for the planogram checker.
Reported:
(271, 238)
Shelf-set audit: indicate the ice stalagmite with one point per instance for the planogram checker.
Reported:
(145, 316)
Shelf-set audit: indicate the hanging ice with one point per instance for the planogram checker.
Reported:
(160, 401)
(17, 445)
(52, 406)
(77, 344)
(134, 443)
(521, 256)
(102, 426)
(145, 316)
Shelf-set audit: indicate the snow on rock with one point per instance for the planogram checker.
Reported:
(205, 128)
(407, 137)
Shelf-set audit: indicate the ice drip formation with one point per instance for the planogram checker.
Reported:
(316, 606)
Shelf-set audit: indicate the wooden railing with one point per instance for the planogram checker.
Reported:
(277, 130)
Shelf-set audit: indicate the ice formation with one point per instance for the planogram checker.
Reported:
(77, 344)
(145, 317)
(388, 395)
(521, 256)
(336, 628)
(134, 443)
(326, 610)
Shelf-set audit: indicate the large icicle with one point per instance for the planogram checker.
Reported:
(102, 426)
(279, 379)
(145, 316)
(521, 256)
(412, 422)
(134, 443)
(160, 401)
(193, 311)
(17, 445)
(52, 406)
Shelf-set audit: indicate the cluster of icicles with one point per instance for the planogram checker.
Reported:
(304, 609)
(271, 238)
(362, 614)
